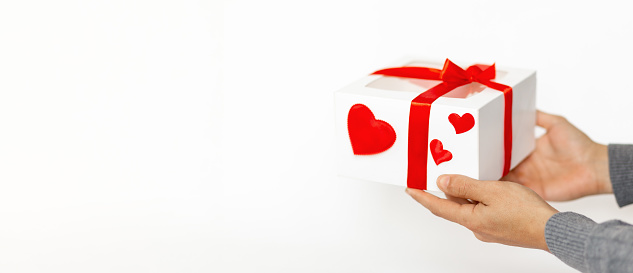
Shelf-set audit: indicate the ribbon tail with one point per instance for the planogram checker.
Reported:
(411, 72)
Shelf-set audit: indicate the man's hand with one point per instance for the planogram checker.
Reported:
(495, 211)
(565, 165)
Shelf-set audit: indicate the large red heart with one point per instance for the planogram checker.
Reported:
(367, 134)
(462, 124)
(439, 154)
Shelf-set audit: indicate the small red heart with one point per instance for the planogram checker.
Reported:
(367, 134)
(439, 154)
(462, 124)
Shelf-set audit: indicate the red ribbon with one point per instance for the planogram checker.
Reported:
(452, 76)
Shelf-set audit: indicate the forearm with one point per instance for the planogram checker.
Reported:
(590, 247)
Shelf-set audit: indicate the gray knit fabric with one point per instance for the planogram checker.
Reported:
(621, 172)
(610, 247)
(566, 235)
(590, 247)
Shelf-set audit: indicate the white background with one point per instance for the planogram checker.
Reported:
(197, 136)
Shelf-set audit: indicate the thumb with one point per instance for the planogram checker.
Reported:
(546, 120)
(464, 187)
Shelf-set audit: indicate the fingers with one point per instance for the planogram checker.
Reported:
(465, 187)
(546, 120)
(449, 210)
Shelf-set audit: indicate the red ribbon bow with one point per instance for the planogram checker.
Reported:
(451, 77)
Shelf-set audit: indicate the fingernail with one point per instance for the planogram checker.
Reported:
(442, 182)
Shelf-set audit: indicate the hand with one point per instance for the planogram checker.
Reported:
(499, 212)
(565, 165)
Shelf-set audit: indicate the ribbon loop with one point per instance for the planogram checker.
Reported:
(475, 73)
(454, 74)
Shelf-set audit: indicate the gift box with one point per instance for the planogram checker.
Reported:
(410, 123)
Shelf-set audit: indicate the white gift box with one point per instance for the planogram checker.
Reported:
(477, 149)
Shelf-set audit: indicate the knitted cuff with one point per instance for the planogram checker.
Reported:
(566, 235)
(621, 172)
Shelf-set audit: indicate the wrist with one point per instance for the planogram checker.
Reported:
(600, 165)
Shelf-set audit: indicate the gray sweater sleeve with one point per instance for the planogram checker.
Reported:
(591, 247)
(621, 172)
